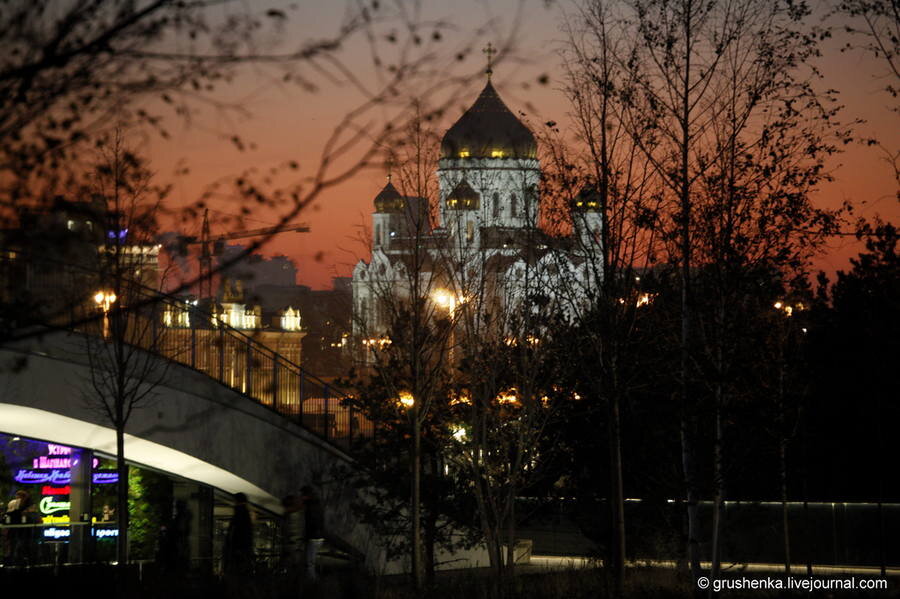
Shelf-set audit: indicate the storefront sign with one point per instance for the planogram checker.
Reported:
(58, 476)
(48, 506)
(65, 533)
(57, 533)
(105, 532)
(104, 478)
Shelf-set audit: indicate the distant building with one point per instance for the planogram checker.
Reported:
(314, 323)
(62, 256)
(488, 210)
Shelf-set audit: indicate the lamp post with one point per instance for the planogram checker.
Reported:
(786, 334)
(104, 301)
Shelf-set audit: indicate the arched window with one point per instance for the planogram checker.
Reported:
(514, 205)
(378, 234)
(496, 205)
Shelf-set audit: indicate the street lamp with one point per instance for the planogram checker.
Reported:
(406, 399)
(104, 301)
(444, 299)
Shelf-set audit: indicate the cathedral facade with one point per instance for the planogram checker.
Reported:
(482, 244)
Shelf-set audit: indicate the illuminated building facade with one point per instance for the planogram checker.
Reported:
(487, 234)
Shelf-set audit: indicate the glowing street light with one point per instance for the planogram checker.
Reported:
(447, 300)
(789, 309)
(406, 399)
(444, 299)
(104, 301)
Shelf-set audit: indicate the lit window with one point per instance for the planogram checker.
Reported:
(464, 154)
(70, 225)
(496, 153)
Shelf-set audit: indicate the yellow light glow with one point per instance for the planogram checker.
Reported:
(104, 299)
(464, 154)
(379, 342)
(460, 398)
(778, 305)
(508, 396)
(446, 300)
(290, 320)
(496, 153)
(406, 399)
(459, 433)
(644, 299)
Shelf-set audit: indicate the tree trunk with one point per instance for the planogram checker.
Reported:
(719, 479)
(511, 535)
(782, 459)
(807, 533)
(430, 532)
(617, 498)
(121, 500)
(687, 450)
(882, 544)
(784, 511)
(416, 503)
(719, 444)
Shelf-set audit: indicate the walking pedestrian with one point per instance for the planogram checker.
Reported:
(238, 558)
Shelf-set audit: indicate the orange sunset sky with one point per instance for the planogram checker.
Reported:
(285, 122)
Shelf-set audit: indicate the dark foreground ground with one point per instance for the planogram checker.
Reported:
(584, 583)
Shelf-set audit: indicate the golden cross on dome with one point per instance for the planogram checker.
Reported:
(490, 51)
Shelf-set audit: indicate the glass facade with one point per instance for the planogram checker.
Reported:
(50, 513)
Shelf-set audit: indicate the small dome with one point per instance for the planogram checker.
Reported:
(587, 200)
(389, 199)
(488, 129)
(463, 197)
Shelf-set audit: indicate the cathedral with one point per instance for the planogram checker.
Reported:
(483, 238)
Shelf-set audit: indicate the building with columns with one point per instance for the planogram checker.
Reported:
(483, 234)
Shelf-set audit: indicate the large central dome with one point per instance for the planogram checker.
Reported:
(488, 130)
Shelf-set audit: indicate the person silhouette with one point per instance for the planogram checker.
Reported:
(238, 557)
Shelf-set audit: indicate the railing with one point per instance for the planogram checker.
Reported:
(234, 359)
